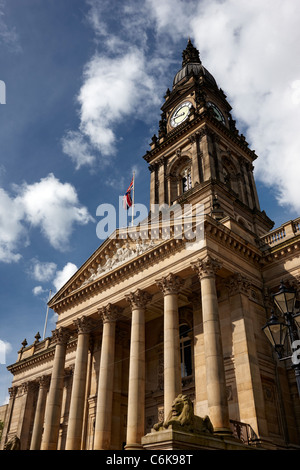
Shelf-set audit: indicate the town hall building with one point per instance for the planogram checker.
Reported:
(156, 321)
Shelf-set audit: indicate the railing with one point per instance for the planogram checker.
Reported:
(243, 432)
(284, 232)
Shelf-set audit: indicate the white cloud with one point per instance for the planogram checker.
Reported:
(5, 348)
(48, 272)
(11, 229)
(42, 271)
(78, 149)
(64, 275)
(114, 89)
(49, 205)
(38, 290)
(53, 207)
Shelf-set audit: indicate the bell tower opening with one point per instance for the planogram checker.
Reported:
(199, 155)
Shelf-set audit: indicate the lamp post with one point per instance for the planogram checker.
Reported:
(277, 329)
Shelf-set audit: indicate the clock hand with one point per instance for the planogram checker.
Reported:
(179, 115)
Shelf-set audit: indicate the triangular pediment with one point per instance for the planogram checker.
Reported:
(115, 252)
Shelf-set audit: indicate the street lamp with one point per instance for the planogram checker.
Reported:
(277, 329)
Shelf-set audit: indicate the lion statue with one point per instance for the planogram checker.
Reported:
(182, 417)
(13, 444)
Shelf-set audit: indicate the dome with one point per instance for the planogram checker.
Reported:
(195, 69)
(192, 65)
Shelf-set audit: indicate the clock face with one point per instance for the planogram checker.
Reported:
(181, 113)
(217, 113)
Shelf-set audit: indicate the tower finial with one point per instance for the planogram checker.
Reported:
(190, 54)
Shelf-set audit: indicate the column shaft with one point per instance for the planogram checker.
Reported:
(75, 422)
(215, 370)
(54, 402)
(172, 372)
(103, 422)
(136, 390)
(36, 438)
(170, 286)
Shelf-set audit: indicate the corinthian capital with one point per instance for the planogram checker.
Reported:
(83, 325)
(206, 267)
(170, 284)
(60, 335)
(138, 299)
(110, 313)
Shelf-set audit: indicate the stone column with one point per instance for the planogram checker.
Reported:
(170, 286)
(102, 439)
(37, 431)
(12, 396)
(54, 402)
(215, 370)
(75, 422)
(136, 392)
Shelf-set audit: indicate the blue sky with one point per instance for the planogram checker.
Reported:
(85, 80)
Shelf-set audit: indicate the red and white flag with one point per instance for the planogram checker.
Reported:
(127, 201)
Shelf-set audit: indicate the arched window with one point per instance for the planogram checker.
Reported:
(185, 351)
(186, 179)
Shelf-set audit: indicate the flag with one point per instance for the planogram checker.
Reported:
(127, 201)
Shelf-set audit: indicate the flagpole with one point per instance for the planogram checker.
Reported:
(133, 178)
(46, 316)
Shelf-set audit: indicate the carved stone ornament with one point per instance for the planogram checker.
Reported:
(238, 284)
(122, 254)
(138, 299)
(206, 267)
(13, 392)
(170, 284)
(44, 381)
(182, 418)
(110, 313)
(83, 325)
(60, 335)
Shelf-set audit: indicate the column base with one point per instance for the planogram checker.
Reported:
(223, 432)
(133, 446)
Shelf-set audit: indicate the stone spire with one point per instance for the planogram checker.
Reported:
(190, 54)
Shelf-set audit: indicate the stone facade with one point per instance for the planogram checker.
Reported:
(146, 319)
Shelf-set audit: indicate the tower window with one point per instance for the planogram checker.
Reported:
(186, 180)
(185, 351)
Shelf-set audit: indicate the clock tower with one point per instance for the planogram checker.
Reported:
(198, 155)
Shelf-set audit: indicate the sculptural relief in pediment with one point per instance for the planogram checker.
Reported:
(124, 252)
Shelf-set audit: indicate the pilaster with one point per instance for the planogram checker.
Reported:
(247, 372)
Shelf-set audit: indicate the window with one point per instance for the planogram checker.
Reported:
(186, 180)
(185, 351)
